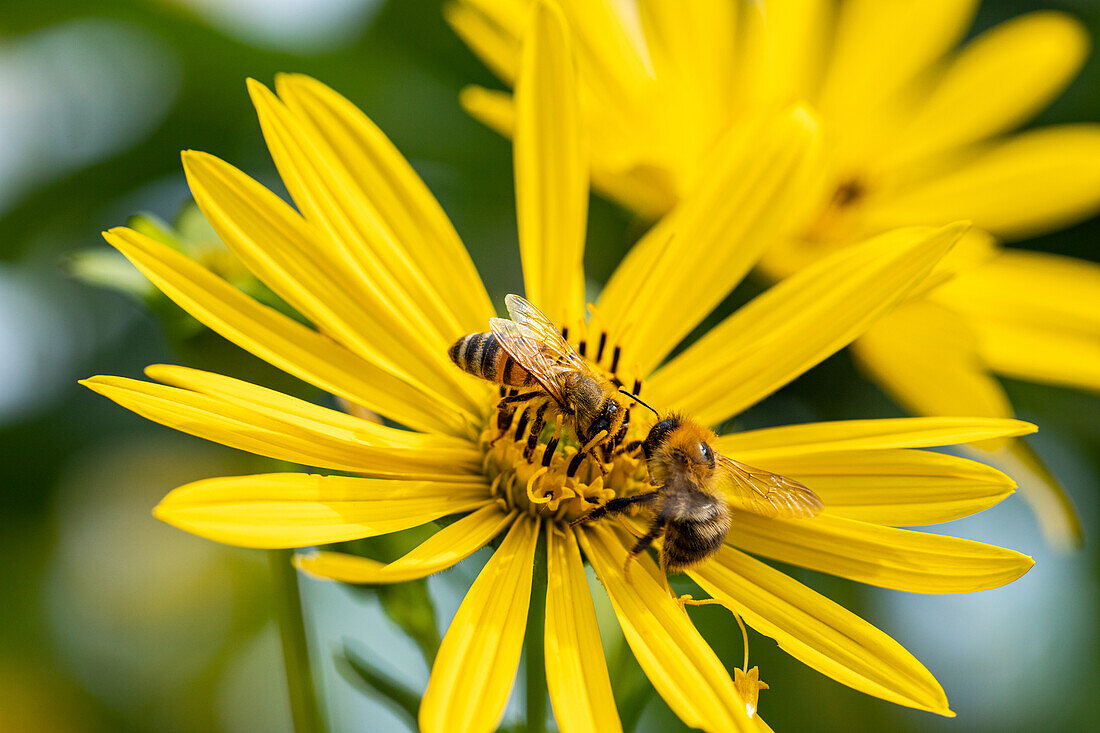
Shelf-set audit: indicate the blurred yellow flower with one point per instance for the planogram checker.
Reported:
(372, 261)
(914, 133)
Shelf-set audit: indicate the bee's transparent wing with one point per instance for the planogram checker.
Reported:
(529, 354)
(769, 494)
(538, 327)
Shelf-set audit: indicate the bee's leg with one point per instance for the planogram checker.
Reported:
(506, 411)
(536, 430)
(521, 423)
(587, 451)
(615, 506)
(609, 448)
(548, 451)
(514, 398)
(596, 442)
(630, 449)
(504, 421)
(574, 464)
(620, 436)
(643, 543)
(504, 415)
(664, 573)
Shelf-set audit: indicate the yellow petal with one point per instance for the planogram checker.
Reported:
(1032, 288)
(611, 75)
(926, 357)
(917, 562)
(879, 47)
(798, 323)
(678, 661)
(389, 282)
(448, 546)
(611, 81)
(935, 361)
(710, 241)
(298, 510)
(649, 196)
(306, 414)
(612, 72)
(692, 49)
(490, 107)
(754, 446)
(1034, 182)
(1038, 354)
(390, 186)
(1058, 519)
(820, 633)
(282, 341)
(901, 488)
(497, 46)
(1002, 78)
(786, 48)
(236, 424)
(611, 63)
(305, 270)
(551, 170)
(646, 190)
(974, 249)
(694, 39)
(476, 664)
(576, 672)
(1036, 316)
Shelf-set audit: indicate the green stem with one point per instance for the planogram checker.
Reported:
(535, 651)
(292, 629)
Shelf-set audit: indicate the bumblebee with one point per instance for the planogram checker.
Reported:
(529, 354)
(694, 487)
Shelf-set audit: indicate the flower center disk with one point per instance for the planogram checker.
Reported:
(552, 481)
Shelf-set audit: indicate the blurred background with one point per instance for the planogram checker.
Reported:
(111, 621)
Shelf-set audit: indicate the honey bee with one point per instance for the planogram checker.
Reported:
(480, 354)
(528, 353)
(694, 487)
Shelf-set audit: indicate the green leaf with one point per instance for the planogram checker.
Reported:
(104, 268)
(355, 666)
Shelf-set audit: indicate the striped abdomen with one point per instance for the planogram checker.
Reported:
(697, 526)
(481, 354)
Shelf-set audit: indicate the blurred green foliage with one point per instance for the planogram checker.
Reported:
(79, 475)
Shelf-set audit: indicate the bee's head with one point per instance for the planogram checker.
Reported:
(689, 446)
(677, 446)
(609, 418)
(698, 453)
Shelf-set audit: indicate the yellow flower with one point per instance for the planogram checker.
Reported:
(373, 263)
(748, 686)
(914, 133)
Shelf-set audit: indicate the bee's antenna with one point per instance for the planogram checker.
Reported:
(638, 400)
